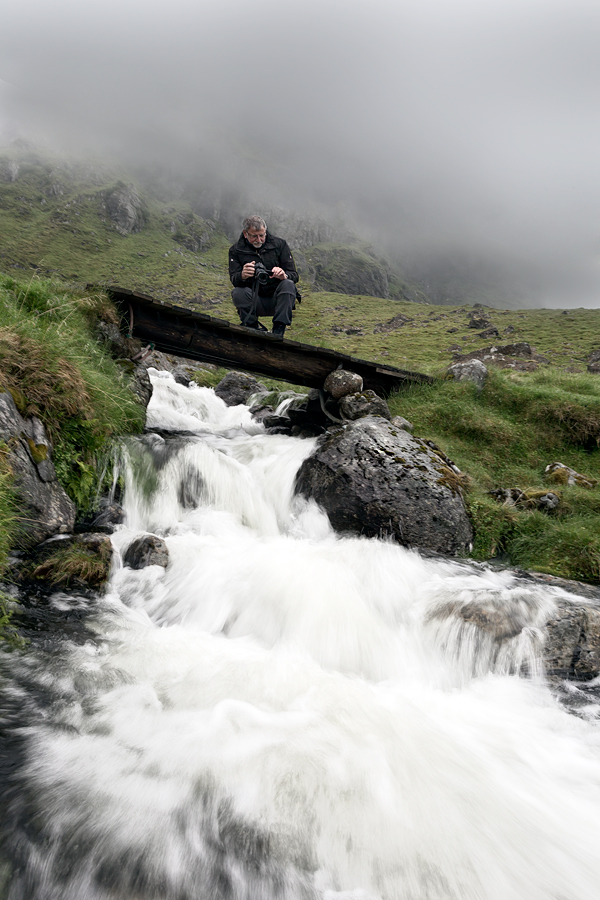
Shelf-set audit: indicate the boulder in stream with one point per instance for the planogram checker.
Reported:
(375, 479)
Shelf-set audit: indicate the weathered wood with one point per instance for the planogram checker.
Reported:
(193, 335)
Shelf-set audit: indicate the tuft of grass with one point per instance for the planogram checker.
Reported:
(72, 565)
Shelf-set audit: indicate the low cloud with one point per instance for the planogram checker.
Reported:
(463, 131)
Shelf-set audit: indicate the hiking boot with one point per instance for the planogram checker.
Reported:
(254, 325)
(278, 330)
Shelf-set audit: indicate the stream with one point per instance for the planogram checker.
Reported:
(284, 713)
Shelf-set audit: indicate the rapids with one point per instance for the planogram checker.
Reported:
(283, 712)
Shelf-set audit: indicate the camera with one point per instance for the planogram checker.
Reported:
(262, 274)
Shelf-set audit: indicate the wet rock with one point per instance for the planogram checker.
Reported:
(236, 387)
(471, 370)
(148, 550)
(45, 508)
(366, 403)
(558, 473)
(572, 642)
(341, 382)
(374, 479)
(105, 518)
(141, 385)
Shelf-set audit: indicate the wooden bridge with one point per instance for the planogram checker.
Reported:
(193, 335)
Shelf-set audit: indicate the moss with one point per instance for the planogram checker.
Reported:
(39, 452)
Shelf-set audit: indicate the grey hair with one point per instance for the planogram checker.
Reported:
(253, 222)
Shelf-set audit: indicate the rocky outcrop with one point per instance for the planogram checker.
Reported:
(572, 641)
(125, 208)
(148, 550)
(374, 479)
(346, 270)
(45, 508)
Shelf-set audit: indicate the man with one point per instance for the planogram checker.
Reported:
(255, 294)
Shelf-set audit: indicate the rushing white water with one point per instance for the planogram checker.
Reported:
(285, 713)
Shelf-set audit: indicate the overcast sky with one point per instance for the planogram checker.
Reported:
(462, 126)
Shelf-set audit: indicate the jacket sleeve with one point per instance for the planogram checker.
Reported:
(287, 263)
(235, 269)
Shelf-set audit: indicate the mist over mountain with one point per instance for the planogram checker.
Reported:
(460, 138)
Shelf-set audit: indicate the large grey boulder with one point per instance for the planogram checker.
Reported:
(374, 479)
(45, 508)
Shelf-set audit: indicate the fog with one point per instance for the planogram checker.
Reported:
(462, 130)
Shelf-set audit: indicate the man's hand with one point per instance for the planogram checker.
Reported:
(248, 271)
(276, 272)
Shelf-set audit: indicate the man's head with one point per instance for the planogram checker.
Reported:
(255, 230)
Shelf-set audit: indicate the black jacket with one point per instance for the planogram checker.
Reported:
(274, 252)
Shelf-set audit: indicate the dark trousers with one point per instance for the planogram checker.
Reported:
(280, 305)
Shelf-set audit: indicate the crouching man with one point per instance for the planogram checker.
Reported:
(257, 292)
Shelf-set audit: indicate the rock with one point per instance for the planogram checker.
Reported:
(372, 478)
(478, 320)
(141, 384)
(572, 642)
(404, 424)
(125, 208)
(44, 506)
(509, 329)
(558, 473)
(182, 375)
(471, 370)
(492, 331)
(119, 346)
(236, 387)
(340, 382)
(148, 550)
(393, 324)
(367, 403)
(593, 362)
(108, 515)
(543, 500)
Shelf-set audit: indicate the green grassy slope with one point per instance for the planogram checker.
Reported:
(503, 437)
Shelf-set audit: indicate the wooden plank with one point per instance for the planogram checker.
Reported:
(193, 335)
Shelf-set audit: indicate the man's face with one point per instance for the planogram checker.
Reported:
(256, 237)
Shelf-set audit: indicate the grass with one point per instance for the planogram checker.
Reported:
(56, 370)
(504, 437)
(74, 565)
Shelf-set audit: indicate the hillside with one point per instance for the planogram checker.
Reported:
(94, 225)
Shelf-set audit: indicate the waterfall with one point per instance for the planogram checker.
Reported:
(286, 713)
